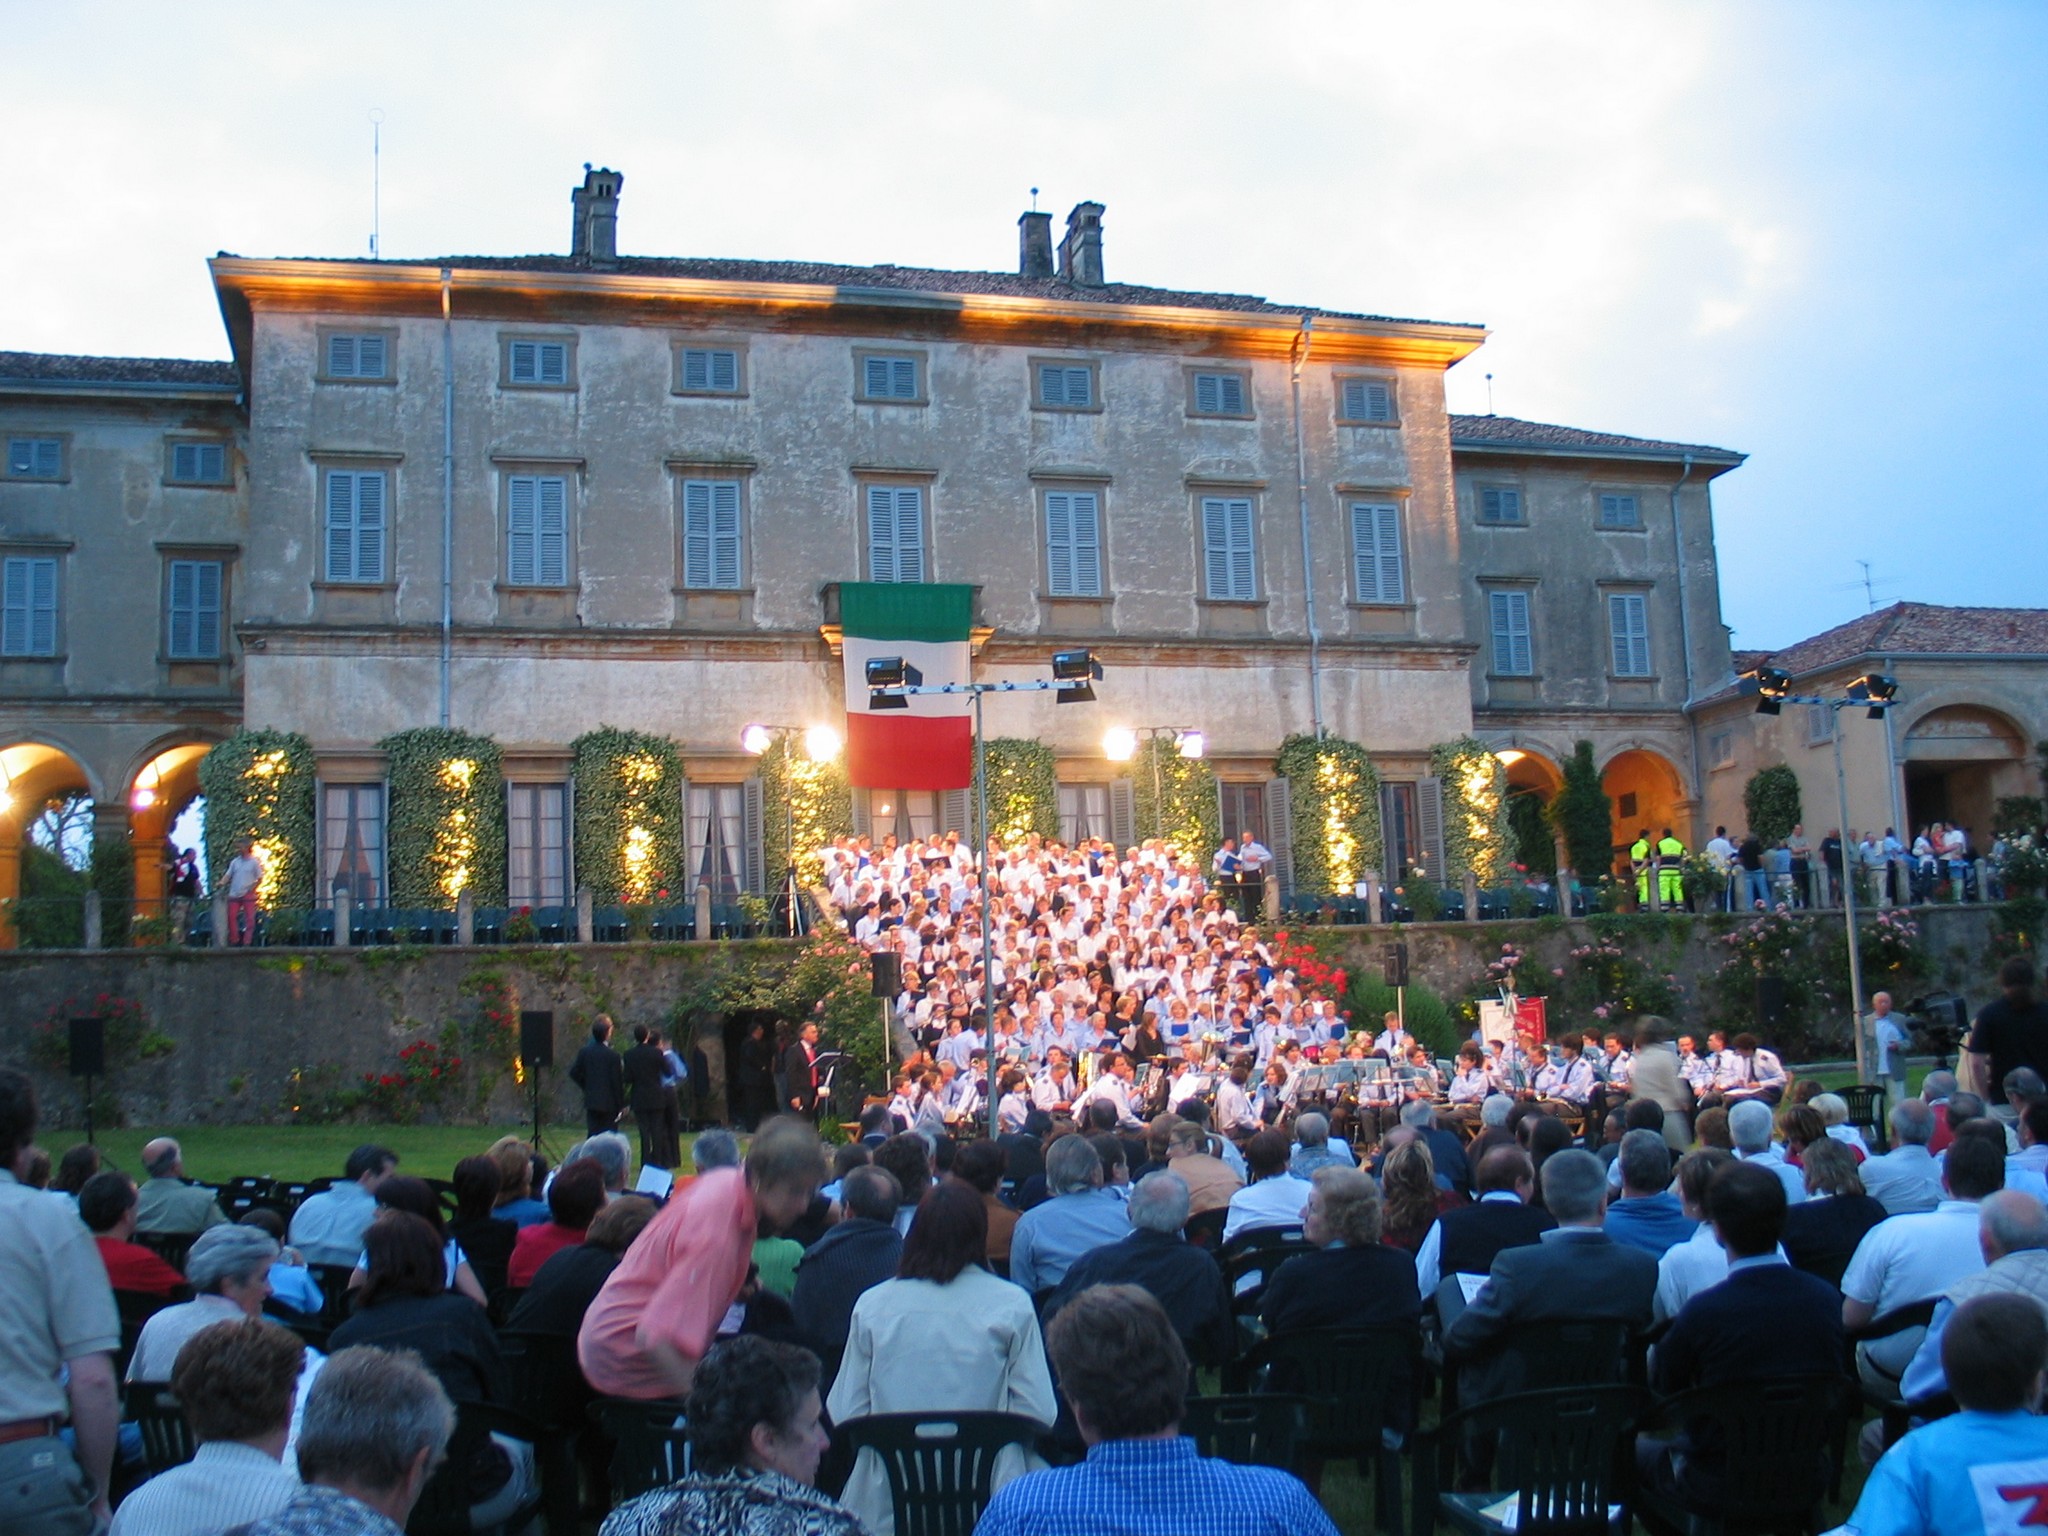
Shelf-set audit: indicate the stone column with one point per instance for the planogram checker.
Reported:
(703, 905)
(586, 924)
(1471, 897)
(465, 917)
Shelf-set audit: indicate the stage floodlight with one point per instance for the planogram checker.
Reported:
(1119, 744)
(892, 672)
(1191, 744)
(882, 699)
(756, 739)
(1075, 693)
(1068, 666)
(821, 743)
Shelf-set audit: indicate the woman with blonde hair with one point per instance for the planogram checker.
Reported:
(1413, 1201)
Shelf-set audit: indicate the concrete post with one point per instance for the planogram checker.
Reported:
(1902, 881)
(220, 918)
(465, 918)
(1471, 897)
(586, 926)
(702, 901)
(1375, 903)
(93, 923)
(1561, 883)
(1983, 879)
(344, 917)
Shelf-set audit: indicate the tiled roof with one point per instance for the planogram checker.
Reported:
(904, 279)
(59, 368)
(1921, 629)
(1506, 432)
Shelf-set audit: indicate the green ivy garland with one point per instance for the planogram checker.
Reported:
(259, 784)
(447, 818)
(812, 796)
(1023, 789)
(1334, 800)
(1477, 835)
(629, 813)
(1192, 812)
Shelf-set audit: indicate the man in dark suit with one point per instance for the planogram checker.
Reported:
(1183, 1279)
(1575, 1273)
(643, 1067)
(1466, 1240)
(1766, 1319)
(800, 1072)
(847, 1262)
(599, 1073)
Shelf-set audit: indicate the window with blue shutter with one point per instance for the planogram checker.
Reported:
(1500, 504)
(1367, 400)
(537, 362)
(1508, 612)
(195, 610)
(356, 357)
(1376, 553)
(28, 605)
(1069, 386)
(35, 458)
(1628, 630)
(1229, 561)
(711, 371)
(1619, 512)
(355, 526)
(895, 533)
(1220, 394)
(537, 531)
(889, 378)
(199, 463)
(1073, 543)
(711, 534)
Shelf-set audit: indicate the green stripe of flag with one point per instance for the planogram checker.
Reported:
(906, 610)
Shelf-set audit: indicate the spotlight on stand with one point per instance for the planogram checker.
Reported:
(1119, 744)
(1877, 690)
(1077, 669)
(756, 739)
(1770, 685)
(884, 672)
(1191, 744)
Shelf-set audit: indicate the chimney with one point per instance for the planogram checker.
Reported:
(594, 238)
(1034, 245)
(1081, 250)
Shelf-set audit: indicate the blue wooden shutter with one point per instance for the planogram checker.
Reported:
(1228, 554)
(1497, 504)
(909, 533)
(1209, 393)
(696, 368)
(341, 525)
(521, 520)
(554, 362)
(875, 378)
(725, 534)
(525, 362)
(1629, 629)
(552, 532)
(1062, 385)
(1618, 512)
(1368, 400)
(370, 357)
(1059, 543)
(1509, 613)
(1376, 552)
(370, 526)
(697, 533)
(28, 606)
(341, 357)
(1086, 514)
(195, 609)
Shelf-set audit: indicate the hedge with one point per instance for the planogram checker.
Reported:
(447, 817)
(259, 784)
(1334, 810)
(629, 814)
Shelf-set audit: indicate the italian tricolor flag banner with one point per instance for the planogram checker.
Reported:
(930, 745)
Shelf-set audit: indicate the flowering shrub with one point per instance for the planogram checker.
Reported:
(1319, 979)
(1812, 964)
(427, 1075)
(1605, 984)
(1890, 950)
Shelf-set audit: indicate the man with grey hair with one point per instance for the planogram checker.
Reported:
(852, 1258)
(2012, 1234)
(377, 1424)
(1574, 1273)
(1647, 1216)
(230, 1269)
(1184, 1279)
(1749, 1127)
(612, 1153)
(1313, 1148)
(1080, 1215)
(715, 1149)
(1905, 1180)
(166, 1203)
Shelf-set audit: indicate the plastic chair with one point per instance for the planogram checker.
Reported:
(444, 1505)
(166, 1438)
(1565, 1452)
(548, 1386)
(1254, 1256)
(171, 1247)
(1867, 1111)
(649, 1445)
(337, 1301)
(1252, 1429)
(1785, 1437)
(1560, 1354)
(940, 1466)
(1206, 1230)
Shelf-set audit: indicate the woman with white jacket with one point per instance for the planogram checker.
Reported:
(945, 1336)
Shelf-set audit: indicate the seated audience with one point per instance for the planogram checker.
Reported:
(756, 1437)
(613, 1155)
(406, 1304)
(229, 1268)
(1446, 1153)
(291, 1283)
(1355, 1280)
(376, 1425)
(908, 1158)
(575, 1196)
(416, 1196)
(1192, 1154)
(1833, 1110)
(1124, 1373)
(1710, 1130)
(1275, 1195)
(328, 1227)
(1313, 1148)
(235, 1383)
(1080, 1215)
(1574, 1273)
(107, 1207)
(1182, 1278)
(516, 1202)
(564, 1287)
(980, 1163)
(78, 1164)
(1647, 1216)
(1464, 1241)
(1950, 1477)
(1822, 1231)
(166, 1203)
(2012, 1235)
(1906, 1180)
(485, 1238)
(848, 1261)
(660, 1309)
(945, 1335)
(1750, 1128)
(1415, 1197)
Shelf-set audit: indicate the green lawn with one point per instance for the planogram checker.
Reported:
(217, 1153)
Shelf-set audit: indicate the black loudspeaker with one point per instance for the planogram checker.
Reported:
(1394, 966)
(887, 968)
(88, 1047)
(537, 1039)
(1770, 1000)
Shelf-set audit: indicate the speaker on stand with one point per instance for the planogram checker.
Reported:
(88, 1059)
(536, 1052)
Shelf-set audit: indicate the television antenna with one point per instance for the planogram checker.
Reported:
(376, 179)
